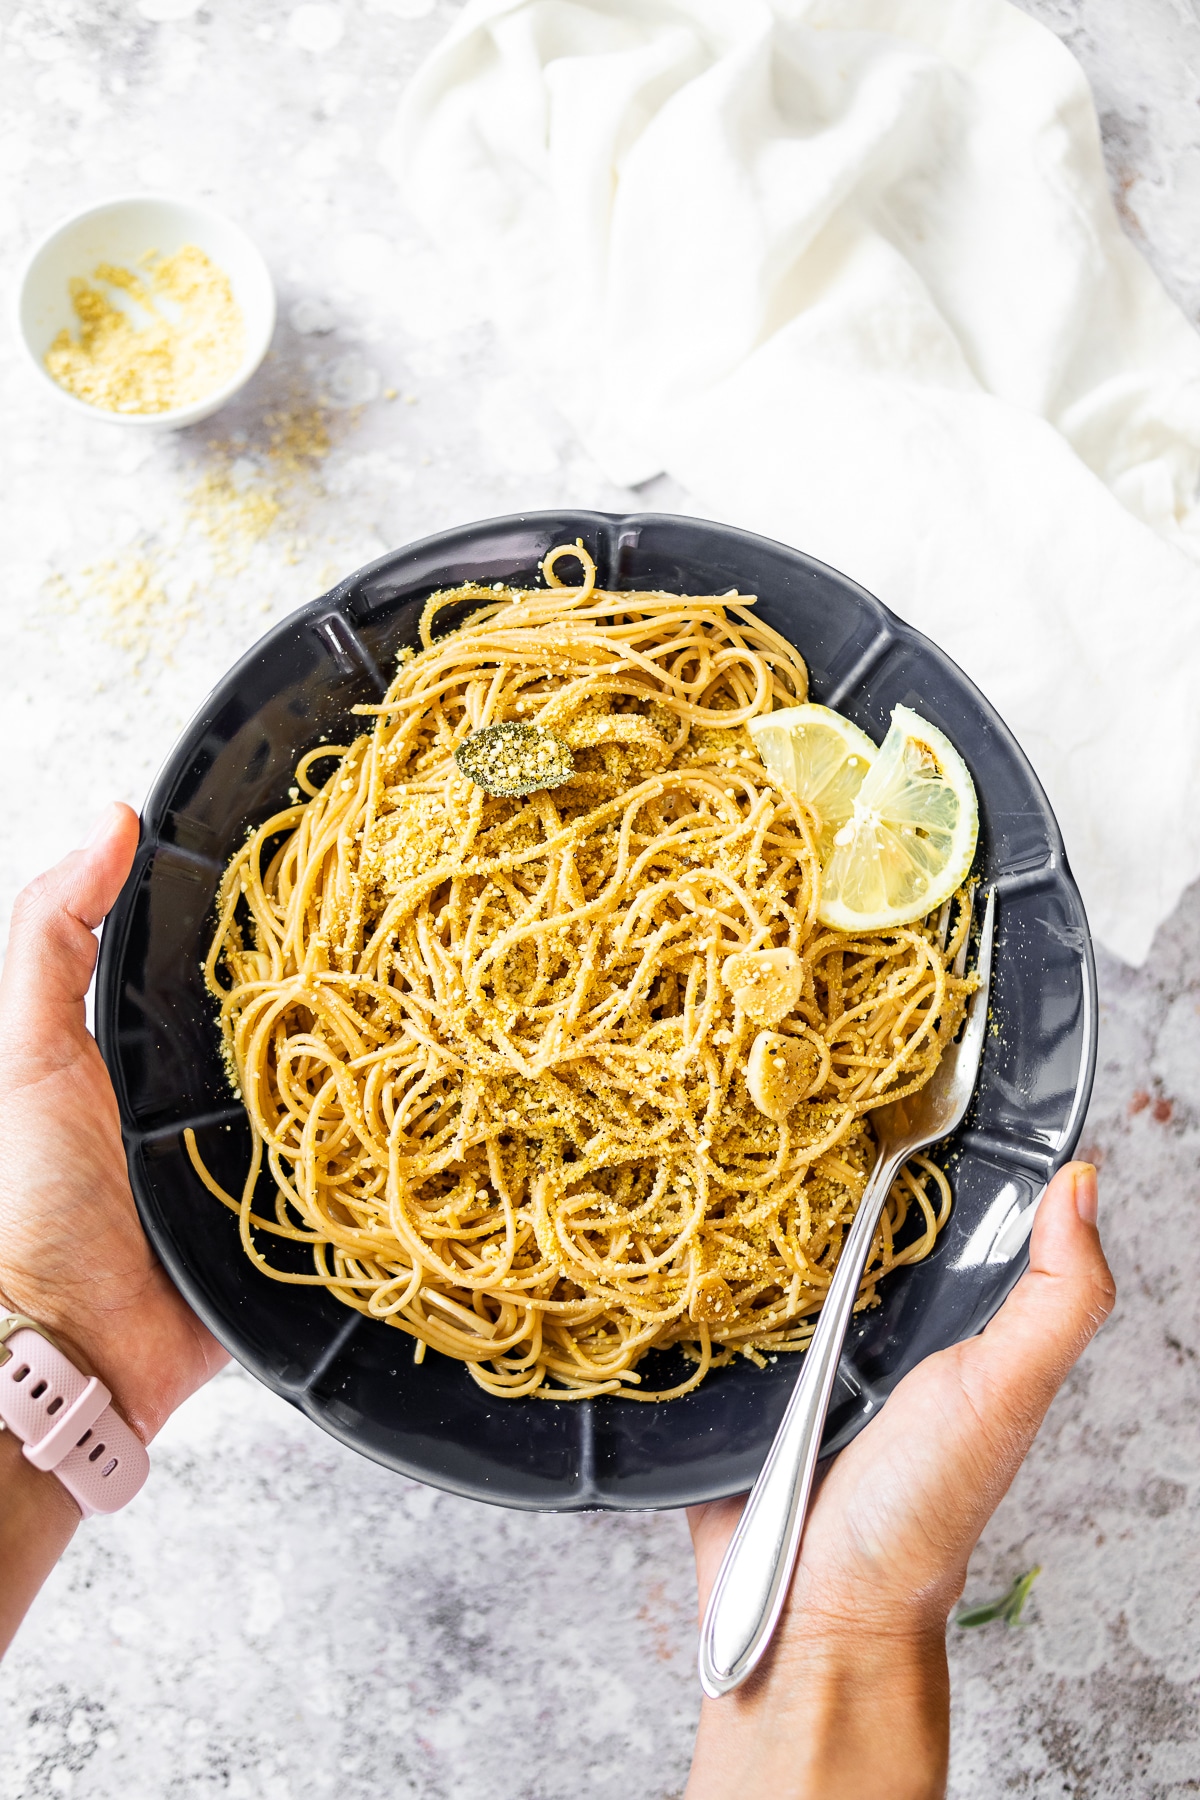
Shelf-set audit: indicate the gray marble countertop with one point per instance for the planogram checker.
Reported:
(275, 1618)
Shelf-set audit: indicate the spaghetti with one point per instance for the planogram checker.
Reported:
(550, 1080)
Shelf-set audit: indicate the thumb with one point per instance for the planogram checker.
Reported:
(52, 947)
(1018, 1364)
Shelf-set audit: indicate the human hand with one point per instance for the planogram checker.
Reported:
(852, 1702)
(73, 1255)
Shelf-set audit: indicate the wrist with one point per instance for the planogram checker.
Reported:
(840, 1711)
(129, 1327)
(38, 1518)
(94, 1346)
(28, 1491)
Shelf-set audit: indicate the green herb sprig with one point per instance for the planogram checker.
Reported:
(1008, 1607)
(514, 758)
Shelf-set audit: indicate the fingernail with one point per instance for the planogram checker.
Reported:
(1087, 1194)
(100, 828)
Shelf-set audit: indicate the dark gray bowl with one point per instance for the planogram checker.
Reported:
(355, 1377)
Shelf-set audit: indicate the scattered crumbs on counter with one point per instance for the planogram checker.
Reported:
(252, 486)
(137, 613)
(248, 489)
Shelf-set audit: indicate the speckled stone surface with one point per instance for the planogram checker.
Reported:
(275, 1618)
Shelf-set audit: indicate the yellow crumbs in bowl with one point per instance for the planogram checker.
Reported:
(188, 342)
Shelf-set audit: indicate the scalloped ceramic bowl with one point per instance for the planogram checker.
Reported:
(356, 1377)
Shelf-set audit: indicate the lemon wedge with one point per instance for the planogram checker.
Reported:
(818, 754)
(909, 841)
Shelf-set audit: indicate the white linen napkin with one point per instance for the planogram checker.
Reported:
(850, 272)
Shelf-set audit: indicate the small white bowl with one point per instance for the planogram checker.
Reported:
(122, 231)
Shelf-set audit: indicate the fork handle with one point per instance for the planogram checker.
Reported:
(754, 1577)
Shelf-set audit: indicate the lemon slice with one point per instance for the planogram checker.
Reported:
(910, 838)
(819, 755)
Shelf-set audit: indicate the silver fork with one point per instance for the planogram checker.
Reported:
(753, 1581)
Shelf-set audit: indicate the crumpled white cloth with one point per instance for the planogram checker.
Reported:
(850, 272)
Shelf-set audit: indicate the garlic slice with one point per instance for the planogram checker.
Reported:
(766, 984)
(780, 1073)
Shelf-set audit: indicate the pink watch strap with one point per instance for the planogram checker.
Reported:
(67, 1421)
